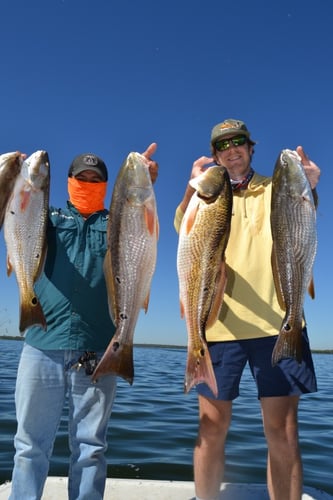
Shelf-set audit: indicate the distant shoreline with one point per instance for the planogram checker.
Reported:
(171, 346)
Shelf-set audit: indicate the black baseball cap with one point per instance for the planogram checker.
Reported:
(88, 161)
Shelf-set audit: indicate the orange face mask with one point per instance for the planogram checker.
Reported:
(87, 197)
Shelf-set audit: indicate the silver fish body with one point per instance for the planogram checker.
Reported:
(129, 261)
(293, 227)
(10, 167)
(25, 234)
(203, 238)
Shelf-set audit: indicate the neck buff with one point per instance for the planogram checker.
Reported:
(242, 183)
(87, 197)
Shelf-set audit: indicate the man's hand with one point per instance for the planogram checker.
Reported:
(153, 165)
(200, 165)
(311, 169)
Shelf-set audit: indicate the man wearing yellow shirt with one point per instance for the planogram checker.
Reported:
(247, 328)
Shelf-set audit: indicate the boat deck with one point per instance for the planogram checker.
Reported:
(146, 489)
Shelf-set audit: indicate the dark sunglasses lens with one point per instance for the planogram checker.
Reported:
(236, 141)
(222, 145)
(239, 141)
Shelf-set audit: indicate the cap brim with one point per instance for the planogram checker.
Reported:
(233, 133)
(78, 170)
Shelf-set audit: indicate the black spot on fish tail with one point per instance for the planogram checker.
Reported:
(117, 359)
(201, 354)
(123, 316)
(115, 346)
(288, 344)
(31, 313)
(199, 369)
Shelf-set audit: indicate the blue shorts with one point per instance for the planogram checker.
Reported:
(287, 378)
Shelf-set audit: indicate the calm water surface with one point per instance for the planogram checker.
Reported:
(153, 425)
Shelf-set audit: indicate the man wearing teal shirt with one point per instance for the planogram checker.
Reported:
(72, 293)
(71, 283)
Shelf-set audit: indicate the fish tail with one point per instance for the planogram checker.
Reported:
(117, 359)
(288, 344)
(31, 313)
(199, 369)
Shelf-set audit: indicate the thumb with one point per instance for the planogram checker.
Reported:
(304, 157)
(150, 150)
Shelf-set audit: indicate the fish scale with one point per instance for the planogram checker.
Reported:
(293, 226)
(203, 237)
(129, 262)
(25, 234)
(10, 167)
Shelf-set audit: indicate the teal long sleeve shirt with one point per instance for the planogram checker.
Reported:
(72, 288)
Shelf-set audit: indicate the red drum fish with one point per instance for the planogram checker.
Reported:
(129, 261)
(25, 234)
(203, 237)
(10, 167)
(293, 226)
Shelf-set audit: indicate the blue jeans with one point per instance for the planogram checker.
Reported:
(44, 380)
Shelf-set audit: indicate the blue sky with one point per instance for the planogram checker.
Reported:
(111, 77)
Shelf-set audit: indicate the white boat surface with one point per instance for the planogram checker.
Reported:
(148, 489)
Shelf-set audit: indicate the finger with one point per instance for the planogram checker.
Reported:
(204, 161)
(303, 155)
(207, 159)
(150, 150)
(153, 170)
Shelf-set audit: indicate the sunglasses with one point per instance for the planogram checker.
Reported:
(224, 144)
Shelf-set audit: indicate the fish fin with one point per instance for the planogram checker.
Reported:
(277, 280)
(9, 266)
(288, 344)
(117, 359)
(182, 310)
(25, 195)
(31, 313)
(146, 302)
(190, 220)
(150, 219)
(221, 283)
(311, 289)
(199, 369)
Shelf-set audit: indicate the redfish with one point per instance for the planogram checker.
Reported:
(25, 234)
(10, 167)
(293, 226)
(129, 262)
(203, 237)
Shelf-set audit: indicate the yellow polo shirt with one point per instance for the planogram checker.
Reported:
(250, 308)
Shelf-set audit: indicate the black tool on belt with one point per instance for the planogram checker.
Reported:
(88, 361)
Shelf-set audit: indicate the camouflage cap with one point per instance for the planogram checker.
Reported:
(88, 161)
(229, 128)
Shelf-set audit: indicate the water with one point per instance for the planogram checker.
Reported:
(153, 425)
